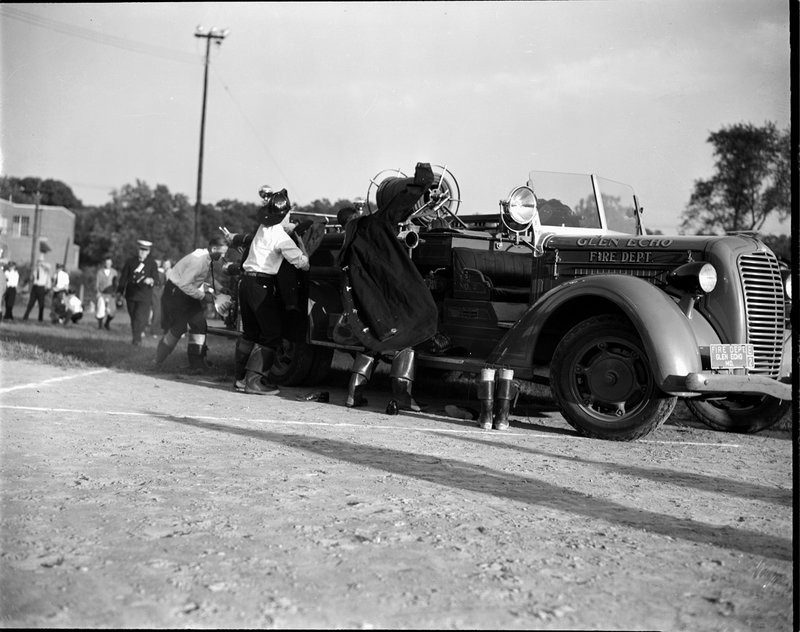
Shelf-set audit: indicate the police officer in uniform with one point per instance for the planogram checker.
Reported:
(261, 303)
(136, 282)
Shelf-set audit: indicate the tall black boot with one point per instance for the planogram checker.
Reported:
(197, 358)
(486, 398)
(256, 371)
(361, 371)
(507, 390)
(402, 374)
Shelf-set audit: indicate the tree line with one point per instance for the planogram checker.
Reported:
(751, 183)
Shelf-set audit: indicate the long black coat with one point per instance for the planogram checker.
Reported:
(384, 286)
(131, 283)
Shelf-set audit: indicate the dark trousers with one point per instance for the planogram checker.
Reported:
(262, 311)
(37, 296)
(9, 298)
(179, 310)
(139, 311)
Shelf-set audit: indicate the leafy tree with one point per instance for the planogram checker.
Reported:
(781, 245)
(136, 212)
(752, 180)
(53, 192)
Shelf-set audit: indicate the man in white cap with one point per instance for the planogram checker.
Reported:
(136, 284)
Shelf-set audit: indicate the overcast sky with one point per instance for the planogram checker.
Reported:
(319, 97)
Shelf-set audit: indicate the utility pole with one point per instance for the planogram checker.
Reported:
(217, 36)
(37, 197)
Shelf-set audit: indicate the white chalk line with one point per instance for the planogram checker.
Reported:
(292, 422)
(8, 389)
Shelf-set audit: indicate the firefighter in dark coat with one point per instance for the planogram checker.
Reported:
(384, 295)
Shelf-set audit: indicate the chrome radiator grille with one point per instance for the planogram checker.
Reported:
(764, 304)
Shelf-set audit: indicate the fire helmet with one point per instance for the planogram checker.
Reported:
(274, 207)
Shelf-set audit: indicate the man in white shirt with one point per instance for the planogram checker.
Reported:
(260, 301)
(60, 288)
(12, 281)
(40, 283)
(182, 303)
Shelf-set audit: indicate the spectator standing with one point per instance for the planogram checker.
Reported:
(136, 283)
(40, 284)
(12, 281)
(60, 289)
(182, 304)
(105, 286)
(2, 287)
(158, 291)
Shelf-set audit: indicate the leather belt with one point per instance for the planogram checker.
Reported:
(259, 275)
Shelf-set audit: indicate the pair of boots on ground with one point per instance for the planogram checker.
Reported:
(495, 396)
(196, 350)
(106, 324)
(402, 374)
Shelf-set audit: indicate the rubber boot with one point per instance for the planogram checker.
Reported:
(108, 322)
(240, 355)
(197, 358)
(507, 390)
(258, 365)
(486, 398)
(99, 323)
(402, 374)
(361, 371)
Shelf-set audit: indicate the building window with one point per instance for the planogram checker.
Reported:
(22, 225)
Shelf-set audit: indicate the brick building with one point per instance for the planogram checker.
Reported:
(56, 229)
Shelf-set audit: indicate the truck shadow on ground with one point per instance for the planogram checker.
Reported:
(701, 482)
(480, 479)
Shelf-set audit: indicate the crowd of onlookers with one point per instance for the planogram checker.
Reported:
(68, 301)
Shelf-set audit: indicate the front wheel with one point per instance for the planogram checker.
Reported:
(603, 383)
(740, 413)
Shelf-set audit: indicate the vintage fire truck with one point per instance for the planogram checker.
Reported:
(564, 285)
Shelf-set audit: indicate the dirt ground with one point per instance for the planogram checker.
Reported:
(160, 500)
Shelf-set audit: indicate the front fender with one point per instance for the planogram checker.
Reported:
(666, 332)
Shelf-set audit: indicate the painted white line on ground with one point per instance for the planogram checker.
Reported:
(50, 381)
(493, 433)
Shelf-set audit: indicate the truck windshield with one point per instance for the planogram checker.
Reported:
(568, 200)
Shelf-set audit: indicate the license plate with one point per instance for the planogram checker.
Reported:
(733, 356)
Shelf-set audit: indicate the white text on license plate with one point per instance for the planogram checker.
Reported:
(730, 356)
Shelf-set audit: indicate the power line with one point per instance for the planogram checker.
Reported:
(98, 37)
(255, 131)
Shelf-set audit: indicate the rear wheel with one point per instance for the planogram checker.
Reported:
(293, 362)
(740, 413)
(602, 381)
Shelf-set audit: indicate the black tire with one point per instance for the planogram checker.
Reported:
(293, 363)
(321, 366)
(602, 380)
(740, 413)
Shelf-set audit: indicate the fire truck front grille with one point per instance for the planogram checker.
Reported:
(764, 304)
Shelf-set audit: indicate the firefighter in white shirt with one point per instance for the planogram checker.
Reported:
(182, 306)
(260, 300)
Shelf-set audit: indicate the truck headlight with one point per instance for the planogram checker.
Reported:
(519, 208)
(697, 277)
(787, 286)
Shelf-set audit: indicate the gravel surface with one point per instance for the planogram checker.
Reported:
(160, 500)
